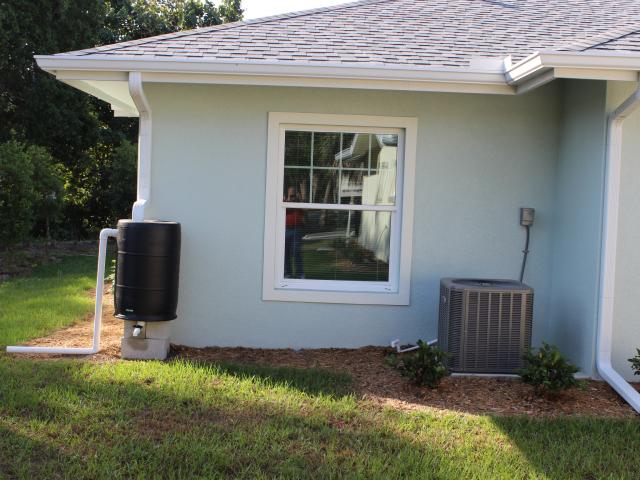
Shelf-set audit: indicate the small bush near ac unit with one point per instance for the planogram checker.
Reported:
(635, 362)
(424, 366)
(549, 371)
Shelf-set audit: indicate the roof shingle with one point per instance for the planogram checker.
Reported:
(441, 33)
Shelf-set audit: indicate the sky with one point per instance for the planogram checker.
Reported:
(265, 8)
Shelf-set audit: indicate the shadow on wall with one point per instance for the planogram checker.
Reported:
(571, 335)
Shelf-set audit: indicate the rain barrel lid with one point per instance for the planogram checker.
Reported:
(127, 221)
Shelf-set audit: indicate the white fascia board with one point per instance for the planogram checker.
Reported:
(623, 66)
(331, 75)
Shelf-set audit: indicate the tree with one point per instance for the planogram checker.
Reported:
(48, 189)
(79, 131)
(34, 107)
(129, 20)
(16, 194)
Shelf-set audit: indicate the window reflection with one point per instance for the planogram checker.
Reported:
(337, 244)
(341, 168)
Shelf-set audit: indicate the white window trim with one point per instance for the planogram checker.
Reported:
(327, 291)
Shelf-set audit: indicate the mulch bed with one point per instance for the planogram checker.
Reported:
(374, 380)
(377, 382)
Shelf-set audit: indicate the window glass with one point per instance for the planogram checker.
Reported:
(297, 148)
(337, 244)
(340, 168)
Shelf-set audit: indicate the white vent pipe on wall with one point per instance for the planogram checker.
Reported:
(608, 255)
(97, 318)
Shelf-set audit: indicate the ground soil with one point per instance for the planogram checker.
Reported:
(374, 380)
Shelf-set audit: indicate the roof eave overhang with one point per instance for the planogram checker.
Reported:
(543, 67)
(105, 76)
(103, 68)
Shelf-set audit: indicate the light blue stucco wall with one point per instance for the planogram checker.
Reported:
(479, 158)
(626, 327)
(577, 222)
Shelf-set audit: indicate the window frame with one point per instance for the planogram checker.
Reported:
(394, 292)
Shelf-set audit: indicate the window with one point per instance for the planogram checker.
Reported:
(339, 208)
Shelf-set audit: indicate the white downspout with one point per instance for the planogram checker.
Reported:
(609, 246)
(97, 318)
(144, 145)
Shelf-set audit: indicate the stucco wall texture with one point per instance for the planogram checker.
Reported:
(479, 158)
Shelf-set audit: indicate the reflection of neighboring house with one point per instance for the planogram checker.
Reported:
(375, 184)
(377, 189)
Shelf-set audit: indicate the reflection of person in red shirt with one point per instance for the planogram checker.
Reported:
(293, 237)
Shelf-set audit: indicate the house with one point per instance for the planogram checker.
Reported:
(407, 134)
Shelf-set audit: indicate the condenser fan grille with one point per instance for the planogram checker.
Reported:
(485, 325)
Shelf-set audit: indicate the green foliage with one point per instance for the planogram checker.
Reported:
(110, 279)
(549, 371)
(635, 362)
(31, 190)
(16, 193)
(132, 19)
(424, 366)
(92, 148)
(48, 188)
(121, 181)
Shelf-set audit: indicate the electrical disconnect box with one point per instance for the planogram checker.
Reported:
(527, 216)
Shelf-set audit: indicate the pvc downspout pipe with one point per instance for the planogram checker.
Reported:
(97, 318)
(609, 246)
(144, 145)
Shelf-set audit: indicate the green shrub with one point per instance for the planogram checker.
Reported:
(31, 191)
(17, 194)
(549, 371)
(110, 279)
(635, 362)
(424, 366)
(48, 188)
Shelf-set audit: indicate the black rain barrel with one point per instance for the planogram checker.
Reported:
(147, 268)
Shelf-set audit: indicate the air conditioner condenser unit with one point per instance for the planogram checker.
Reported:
(485, 325)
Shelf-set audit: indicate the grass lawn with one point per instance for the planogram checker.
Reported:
(54, 296)
(75, 419)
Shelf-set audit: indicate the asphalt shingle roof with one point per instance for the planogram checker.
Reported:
(441, 33)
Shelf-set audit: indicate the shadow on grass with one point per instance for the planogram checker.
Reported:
(181, 420)
(576, 447)
(24, 457)
(313, 381)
